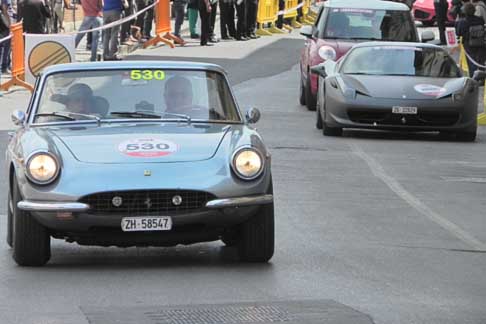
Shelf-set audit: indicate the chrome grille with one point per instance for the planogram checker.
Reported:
(145, 202)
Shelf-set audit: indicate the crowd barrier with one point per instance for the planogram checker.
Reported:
(268, 13)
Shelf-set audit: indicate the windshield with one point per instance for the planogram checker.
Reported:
(396, 60)
(122, 94)
(389, 25)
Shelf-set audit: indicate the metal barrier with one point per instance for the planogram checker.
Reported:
(162, 27)
(290, 12)
(267, 14)
(18, 67)
(307, 18)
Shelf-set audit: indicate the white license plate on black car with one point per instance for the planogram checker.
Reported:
(404, 110)
(148, 223)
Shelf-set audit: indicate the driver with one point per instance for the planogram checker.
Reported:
(339, 25)
(178, 96)
(79, 99)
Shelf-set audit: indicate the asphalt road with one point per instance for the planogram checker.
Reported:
(372, 227)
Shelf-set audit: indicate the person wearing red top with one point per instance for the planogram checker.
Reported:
(92, 19)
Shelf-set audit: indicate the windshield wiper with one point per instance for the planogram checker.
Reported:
(136, 114)
(66, 115)
(186, 117)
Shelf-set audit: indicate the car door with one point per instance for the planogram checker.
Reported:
(310, 43)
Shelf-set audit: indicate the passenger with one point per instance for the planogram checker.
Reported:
(178, 95)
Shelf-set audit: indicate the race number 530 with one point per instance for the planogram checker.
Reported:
(147, 75)
(147, 147)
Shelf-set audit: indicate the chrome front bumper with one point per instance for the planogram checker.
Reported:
(49, 206)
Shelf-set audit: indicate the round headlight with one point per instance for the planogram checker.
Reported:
(247, 164)
(327, 53)
(42, 168)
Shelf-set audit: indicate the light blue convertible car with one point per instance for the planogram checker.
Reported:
(137, 154)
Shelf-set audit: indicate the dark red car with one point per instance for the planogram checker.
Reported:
(344, 23)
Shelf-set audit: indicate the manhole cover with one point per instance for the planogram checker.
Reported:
(289, 312)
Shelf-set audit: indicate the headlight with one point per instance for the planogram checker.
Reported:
(42, 168)
(247, 163)
(327, 53)
(458, 96)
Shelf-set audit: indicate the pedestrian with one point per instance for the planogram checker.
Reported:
(33, 14)
(212, 21)
(192, 13)
(471, 30)
(241, 28)
(251, 18)
(227, 19)
(112, 11)
(441, 9)
(6, 16)
(59, 7)
(205, 14)
(179, 7)
(280, 17)
(126, 27)
(144, 21)
(480, 9)
(92, 19)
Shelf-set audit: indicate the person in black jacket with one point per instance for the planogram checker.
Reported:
(33, 13)
(441, 8)
(478, 54)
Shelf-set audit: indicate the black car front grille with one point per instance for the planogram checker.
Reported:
(419, 14)
(145, 202)
(387, 118)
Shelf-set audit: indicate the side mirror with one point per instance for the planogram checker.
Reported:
(319, 70)
(427, 36)
(253, 115)
(479, 75)
(307, 31)
(18, 117)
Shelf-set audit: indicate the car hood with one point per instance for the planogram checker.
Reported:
(402, 87)
(142, 143)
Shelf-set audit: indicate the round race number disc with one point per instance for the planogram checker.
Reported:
(147, 147)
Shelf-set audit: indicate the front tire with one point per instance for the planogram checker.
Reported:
(9, 219)
(257, 237)
(31, 240)
(319, 124)
(310, 100)
(326, 130)
(301, 93)
(466, 136)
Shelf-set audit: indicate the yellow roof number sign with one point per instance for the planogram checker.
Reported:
(46, 54)
(147, 75)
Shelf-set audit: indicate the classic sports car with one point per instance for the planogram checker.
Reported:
(137, 154)
(343, 23)
(424, 11)
(396, 86)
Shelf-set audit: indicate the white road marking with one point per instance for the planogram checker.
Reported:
(413, 201)
(464, 179)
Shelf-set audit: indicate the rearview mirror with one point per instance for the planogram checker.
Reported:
(319, 70)
(307, 31)
(427, 36)
(18, 117)
(479, 75)
(253, 115)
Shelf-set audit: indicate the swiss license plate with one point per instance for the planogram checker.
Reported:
(148, 223)
(404, 110)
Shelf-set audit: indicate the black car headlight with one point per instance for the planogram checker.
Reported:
(459, 96)
(247, 163)
(42, 168)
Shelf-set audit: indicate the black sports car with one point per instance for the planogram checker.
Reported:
(397, 86)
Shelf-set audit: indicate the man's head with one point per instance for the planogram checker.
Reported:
(469, 9)
(79, 99)
(177, 93)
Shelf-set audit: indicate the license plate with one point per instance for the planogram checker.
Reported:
(404, 110)
(154, 223)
